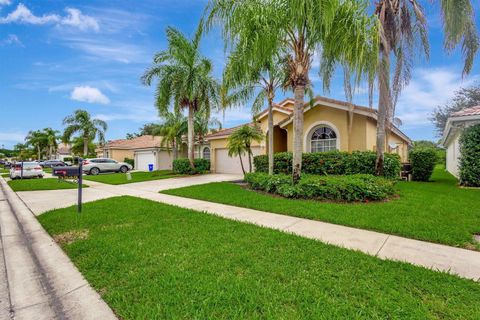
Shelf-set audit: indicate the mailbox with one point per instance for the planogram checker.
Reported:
(66, 172)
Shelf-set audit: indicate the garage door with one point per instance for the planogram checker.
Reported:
(143, 159)
(165, 160)
(226, 164)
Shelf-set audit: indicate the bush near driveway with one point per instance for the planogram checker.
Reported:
(182, 166)
(349, 188)
(149, 260)
(470, 157)
(423, 162)
(331, 162)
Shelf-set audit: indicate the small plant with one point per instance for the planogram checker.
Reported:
(423, 162)
(182, 166)
(470, 157)
(129, 161)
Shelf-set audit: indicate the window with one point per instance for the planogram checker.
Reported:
(206, 153)
(323, 139)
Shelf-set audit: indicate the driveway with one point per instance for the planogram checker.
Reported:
(42, 201)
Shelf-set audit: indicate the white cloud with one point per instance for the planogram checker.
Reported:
(89, 94)
(74, 18)
(5, 2)
(11, 39)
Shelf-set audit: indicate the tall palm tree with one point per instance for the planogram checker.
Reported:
(52, 137)
(185, 79)
(38, 140)
(341, 29)
(245, 135)
(262, 77)
(402, 26)
(81, 122)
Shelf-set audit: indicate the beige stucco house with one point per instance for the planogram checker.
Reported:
(328, 125)
(456, 123)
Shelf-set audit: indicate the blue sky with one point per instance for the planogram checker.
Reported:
(57, 56)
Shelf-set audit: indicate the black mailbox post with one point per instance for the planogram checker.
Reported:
(74, 173)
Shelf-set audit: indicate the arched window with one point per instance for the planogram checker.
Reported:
(323, 139)
(206, 153)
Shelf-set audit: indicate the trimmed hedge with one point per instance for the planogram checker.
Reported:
(349, 188)
(182, 166)
(470, 157)
(129, 161)
(423, 162)
(332, 162)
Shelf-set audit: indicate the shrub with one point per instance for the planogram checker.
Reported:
(350, 188)
(423, 162)
(470, 157)
(68, 159)
(332, 162)
(182, 166)
(129, 161)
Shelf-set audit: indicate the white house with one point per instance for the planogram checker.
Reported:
(456, 123)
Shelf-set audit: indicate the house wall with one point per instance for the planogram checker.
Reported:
(119, 154)
(222, 144)
(453, 155)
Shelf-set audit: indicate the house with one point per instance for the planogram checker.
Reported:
(144, 150)
(328, 125)
(456, 123)
(63, 151)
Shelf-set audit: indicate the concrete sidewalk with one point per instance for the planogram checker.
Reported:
(464, 263)
(37, 280)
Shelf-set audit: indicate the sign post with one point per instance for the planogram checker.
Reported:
(80, 182)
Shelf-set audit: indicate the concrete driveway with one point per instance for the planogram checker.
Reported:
(42, 201)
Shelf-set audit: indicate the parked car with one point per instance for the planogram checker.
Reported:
(52, 163)
(98, 165)
(30, 170)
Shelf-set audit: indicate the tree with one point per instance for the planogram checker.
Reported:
(146, 129)
(38, 140)
(21, 150)
(236, 148)
(52, 137)
(78, 147)
(172, 130)
(341, 29)
(402, 27)
(185, 79)
(243, 137)
(88, 128)
(462, 99)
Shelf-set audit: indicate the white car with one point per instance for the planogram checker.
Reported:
(30, 170)
(99, 165)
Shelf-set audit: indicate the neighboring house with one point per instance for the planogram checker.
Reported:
(328, 125)
(63, 151)
(144, 150)
(456, 123)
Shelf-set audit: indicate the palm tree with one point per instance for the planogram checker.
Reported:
(402, 26)
(341, 29)
(88, 128)
(245, 135)
(172, 130)
(185, 78)
(38, 140)
(52, 137)
(236, 148)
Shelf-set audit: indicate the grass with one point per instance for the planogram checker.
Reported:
(41, 184)
(121, 178)
(436, 211)
(154, 261)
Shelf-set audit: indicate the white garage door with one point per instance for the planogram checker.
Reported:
(165, 160)
(143, 159)
(226, 164)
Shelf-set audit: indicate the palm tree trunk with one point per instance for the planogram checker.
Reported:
(299, 93)
(270, 137)
(175, 150)
(249, 151)
(85, 146)
(384, 105)
(241, 162)
(190, 135)
(38, 153)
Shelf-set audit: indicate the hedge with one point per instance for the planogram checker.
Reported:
(470, 157)
(129, 161)
(332, 162)
(182, 166)
(423, 162)
(347, 188)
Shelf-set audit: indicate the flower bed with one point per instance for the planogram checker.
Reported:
(346, 188)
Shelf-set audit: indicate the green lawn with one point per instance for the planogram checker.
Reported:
(4, 170)
(121, 178)
(154, 261)
(436, 211)
(48, 170)
(41, 184)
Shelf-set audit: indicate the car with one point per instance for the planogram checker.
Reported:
(52, 163)
(95, 166)
(30, 170)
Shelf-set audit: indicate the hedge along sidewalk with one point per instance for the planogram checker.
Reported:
(464, 263)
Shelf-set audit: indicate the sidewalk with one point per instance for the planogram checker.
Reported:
(37, 280)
